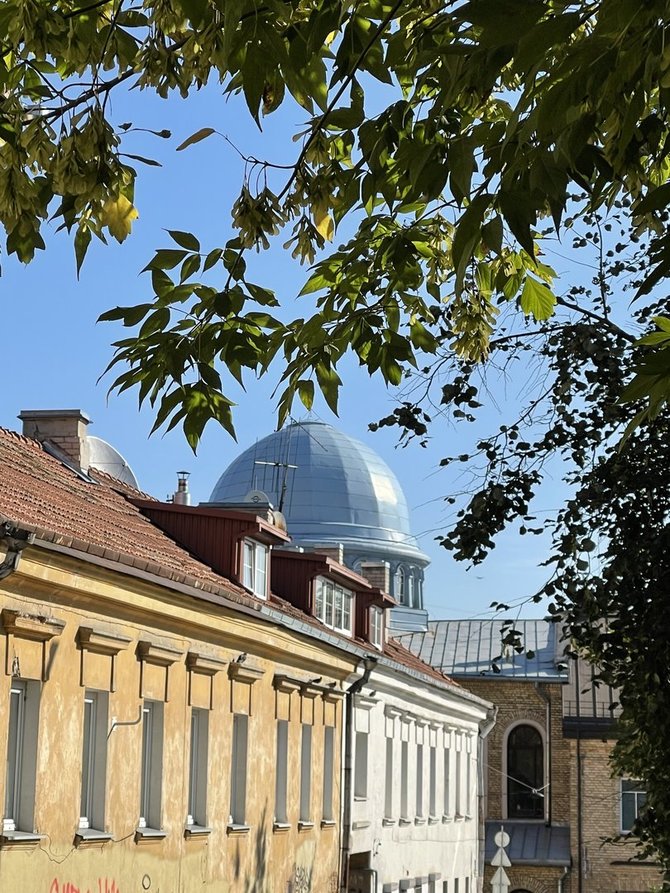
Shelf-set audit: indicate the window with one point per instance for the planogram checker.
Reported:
(306, 774)
(419, 780)
(254, 574)
(633, 798)
(400, 586)
(328, 772)
(238, 769)
(447, 782)
(376, 627)
(21, 756)
(333, 605)
(410, 589)
(281, 816)
(361, 766)
(525, 773)
(432, 781)
(389, 780)
(152, 765)
(458, 786)
(404, 805)
(94, 761)
(197, 776)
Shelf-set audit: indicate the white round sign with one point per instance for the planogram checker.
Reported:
(501, 838)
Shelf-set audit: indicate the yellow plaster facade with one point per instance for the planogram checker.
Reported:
(71, 628)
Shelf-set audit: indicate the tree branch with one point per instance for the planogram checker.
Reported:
(598, 318)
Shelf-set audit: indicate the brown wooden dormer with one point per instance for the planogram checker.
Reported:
(223, 539)
(302, 578)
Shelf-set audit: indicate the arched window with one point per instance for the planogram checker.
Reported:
(400, 586)
(525, 773)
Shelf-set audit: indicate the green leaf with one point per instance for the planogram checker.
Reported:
(537, 300)
(196, 137)
(185, 240)
(305, 389)
(82, 240)
(130, 315)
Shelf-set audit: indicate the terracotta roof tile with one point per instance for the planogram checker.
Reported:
(96, 516)
(42, 494)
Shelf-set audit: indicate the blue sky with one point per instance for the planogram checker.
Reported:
(53, 351)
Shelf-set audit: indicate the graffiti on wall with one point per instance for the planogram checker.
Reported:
(103, 885)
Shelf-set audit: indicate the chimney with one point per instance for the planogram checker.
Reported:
(64, 429)
(377, 574)
(334, 551)
(182, 496)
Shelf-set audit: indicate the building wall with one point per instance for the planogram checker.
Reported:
(260, 859)
(522, 702)
(605, 866)
(427, 849)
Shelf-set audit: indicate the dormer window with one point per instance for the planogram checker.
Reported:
(376, 627)
(333, 605)
(255, 567)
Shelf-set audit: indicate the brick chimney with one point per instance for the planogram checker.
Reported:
(335, 551)
(377, 574)
(64, 429)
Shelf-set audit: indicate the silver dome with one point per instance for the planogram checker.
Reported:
(105, 457)
(331, 488)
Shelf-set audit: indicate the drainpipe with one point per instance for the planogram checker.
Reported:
(562, 878)
(547, 699)
(16, 541)
(580, 832)
(484, 731)
(369, 664)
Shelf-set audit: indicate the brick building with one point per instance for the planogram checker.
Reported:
(547, 779)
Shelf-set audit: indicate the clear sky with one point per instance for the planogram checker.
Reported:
(53, 352)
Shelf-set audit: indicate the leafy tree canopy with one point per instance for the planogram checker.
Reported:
(494, 112)
(451, 142)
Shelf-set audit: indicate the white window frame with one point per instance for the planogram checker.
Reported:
(151, 783)
(546, 791)
(198, 769)
(376, 627)
(328, 814)
(334, 605)
(306, 775)
(94, 761)
(255, 565)
(639, 797)
(281, 770)
(19, 809)
(238, 770)
(400, 585)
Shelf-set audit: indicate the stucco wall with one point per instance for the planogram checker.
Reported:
(254, 861)
(444, 844)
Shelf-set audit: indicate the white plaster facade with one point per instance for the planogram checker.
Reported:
(415, 821)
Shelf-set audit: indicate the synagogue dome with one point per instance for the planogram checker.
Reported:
(332, 489)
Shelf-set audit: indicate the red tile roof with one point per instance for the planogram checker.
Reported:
(40, 493)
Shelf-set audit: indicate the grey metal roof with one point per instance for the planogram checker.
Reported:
(531, 843)
(471, 647)
(331, 489)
